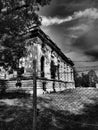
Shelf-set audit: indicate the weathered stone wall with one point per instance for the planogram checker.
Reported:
(27, 85)
(63, 70)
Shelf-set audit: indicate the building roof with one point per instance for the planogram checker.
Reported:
(38, 32)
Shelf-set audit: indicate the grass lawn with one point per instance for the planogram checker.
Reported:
(71, 109)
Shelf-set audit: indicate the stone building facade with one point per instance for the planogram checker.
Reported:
(51, 63)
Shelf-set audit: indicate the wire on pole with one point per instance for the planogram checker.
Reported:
(87, 61)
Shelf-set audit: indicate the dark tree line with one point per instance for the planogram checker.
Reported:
(86, 80)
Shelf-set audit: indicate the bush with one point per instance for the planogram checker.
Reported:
(3, 85)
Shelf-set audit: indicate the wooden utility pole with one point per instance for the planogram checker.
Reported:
(34, 87)
(34, 96)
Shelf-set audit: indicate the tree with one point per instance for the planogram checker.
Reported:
(85, 80)
(77, 79)
(92, 78)
(16, 17)
(81, 81)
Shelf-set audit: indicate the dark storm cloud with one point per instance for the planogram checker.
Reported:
(63, 8)
(88, 42)
(73, 23)
(92, 53)
(85, 15)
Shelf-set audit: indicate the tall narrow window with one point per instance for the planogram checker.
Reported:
(42, 66)
(53, 70)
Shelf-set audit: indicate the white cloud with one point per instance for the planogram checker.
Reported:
(91, 13)
(87, 13)
(71, 36)
(82, 27)
(46, 21)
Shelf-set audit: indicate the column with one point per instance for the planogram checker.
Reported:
(47, 64)
(39, 60)
(69, 74)
(60, 70)
(63, 75)
(65, 72)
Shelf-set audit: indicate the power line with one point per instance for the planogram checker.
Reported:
(84, 70)
(85, 66)
(87, 61)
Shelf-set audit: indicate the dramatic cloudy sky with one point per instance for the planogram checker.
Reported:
(73, 26)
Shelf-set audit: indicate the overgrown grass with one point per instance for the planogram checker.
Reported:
(72, 109)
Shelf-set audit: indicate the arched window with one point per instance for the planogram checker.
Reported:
(42, 66)
(53, 70)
